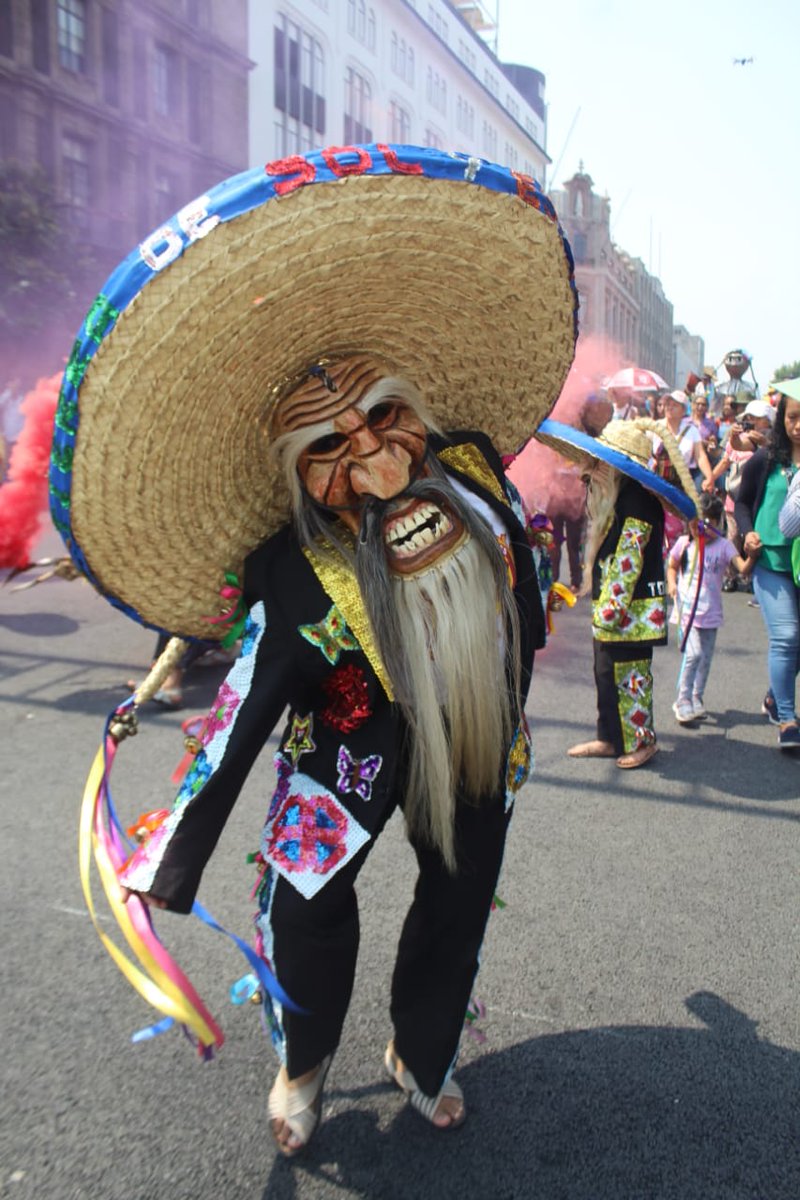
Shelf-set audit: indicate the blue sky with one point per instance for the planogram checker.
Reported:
(700, 157)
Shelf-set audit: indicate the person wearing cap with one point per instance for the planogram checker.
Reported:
(624, 571)
(376, 567)
(759, 508)
(679, 423)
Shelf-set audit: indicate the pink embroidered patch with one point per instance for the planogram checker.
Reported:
(309, 834)
(222, 711)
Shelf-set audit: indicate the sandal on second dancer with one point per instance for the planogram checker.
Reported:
(295, 1109)
(637, 758)
(448, 1117)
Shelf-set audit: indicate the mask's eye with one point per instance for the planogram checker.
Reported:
(327, 446)
(384, 415)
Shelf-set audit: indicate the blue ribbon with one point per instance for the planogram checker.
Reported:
(260, 969)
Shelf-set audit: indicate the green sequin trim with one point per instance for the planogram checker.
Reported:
(100, 318)
(67, 413)
(61, 457)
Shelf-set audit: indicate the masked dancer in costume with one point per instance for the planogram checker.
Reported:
(624, 571)
(362, 303)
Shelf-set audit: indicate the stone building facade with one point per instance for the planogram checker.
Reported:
(333, 72)
(131, 107)
(621, 303)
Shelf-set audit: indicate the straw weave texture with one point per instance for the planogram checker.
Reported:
(464, 290)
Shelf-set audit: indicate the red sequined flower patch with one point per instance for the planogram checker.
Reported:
(348, 704)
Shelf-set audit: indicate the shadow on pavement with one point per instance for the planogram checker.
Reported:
(617, 1113)
(39, 624)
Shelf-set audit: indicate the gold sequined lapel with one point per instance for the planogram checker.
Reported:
(468, 459)
(340, 583)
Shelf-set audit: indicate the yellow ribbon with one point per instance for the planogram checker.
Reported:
(152, 983)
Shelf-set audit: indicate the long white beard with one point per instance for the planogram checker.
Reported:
(458, 703)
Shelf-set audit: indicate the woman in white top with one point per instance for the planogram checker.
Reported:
(689, 440)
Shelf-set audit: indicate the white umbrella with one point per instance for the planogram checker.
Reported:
(637, 379)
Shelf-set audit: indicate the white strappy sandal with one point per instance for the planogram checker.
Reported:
(298, 1107)
(426, 1105)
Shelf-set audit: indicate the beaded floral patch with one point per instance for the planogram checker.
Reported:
(311, 836)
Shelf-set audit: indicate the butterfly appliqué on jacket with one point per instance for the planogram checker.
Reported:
(330, 635)
(357, 774)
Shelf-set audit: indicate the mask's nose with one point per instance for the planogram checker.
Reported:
(381, 473)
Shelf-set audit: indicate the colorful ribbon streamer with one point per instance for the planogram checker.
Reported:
(157, 978)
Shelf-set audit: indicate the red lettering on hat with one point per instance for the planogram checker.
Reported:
(394, 164)
(303, 170)
(357, 168)
(527, 190)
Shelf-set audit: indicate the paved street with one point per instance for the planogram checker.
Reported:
(642, 1030)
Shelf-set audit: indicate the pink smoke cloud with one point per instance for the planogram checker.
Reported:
(24, 495)
(544, 479)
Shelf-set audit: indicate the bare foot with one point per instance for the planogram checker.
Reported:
(594, 749)
(449, 1111)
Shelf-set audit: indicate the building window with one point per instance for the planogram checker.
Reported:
(399, 123)
(357, 108)
(40, 22)
(6, 30)
(361, 22)
(76, 178)
(465, 117)
(466, 55)
(489, 141)
(402, 59)
(437, 23)
(436, 90)
(72, 35)
(110, 57)
(511, 157)
(198, 94)
(166, 81)
(490, 81)
(434, 139)
(8, 127)
(299, 88)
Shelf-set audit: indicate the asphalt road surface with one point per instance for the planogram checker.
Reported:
(642, 1031)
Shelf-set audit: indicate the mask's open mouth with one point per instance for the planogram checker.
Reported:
(418, 535)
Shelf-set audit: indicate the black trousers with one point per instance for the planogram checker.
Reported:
(314, 944)
(624, 682)
(571, 532)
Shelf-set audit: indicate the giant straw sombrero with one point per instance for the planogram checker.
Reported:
(448, 269)
(626, 446)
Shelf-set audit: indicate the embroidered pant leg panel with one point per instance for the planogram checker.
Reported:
(438, 955)
(313, 946)
(613, 694)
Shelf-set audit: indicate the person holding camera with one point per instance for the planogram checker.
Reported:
(746, 436)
